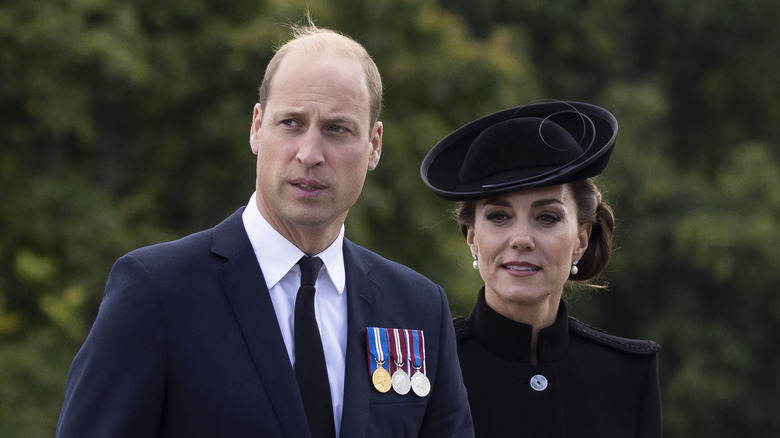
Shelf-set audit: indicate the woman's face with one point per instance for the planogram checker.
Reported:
(525, 243)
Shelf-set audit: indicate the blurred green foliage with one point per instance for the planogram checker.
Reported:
(126, 123)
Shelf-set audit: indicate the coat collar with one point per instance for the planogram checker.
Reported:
(244, 286)
(361, 294)
(512, 340)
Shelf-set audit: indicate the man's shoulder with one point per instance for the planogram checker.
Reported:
(380, 266)
(185, 244)
(196, 244)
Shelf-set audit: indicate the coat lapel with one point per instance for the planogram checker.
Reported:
(361, 293)
(244, 286)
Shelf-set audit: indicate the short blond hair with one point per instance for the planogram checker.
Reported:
(311, 37)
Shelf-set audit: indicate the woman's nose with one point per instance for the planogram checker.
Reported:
(521, 237)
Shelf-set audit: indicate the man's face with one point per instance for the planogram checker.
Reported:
(314, 144)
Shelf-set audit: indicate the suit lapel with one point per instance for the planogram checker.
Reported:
(361, 293)
(244, 286)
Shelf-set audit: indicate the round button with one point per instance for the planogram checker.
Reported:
(539, 382)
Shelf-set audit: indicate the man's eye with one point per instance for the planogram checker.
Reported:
(337, 128)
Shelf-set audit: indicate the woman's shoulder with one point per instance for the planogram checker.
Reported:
(637, 347)
(462, 330)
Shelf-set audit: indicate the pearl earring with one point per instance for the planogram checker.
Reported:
(574, 268)
(474, 263)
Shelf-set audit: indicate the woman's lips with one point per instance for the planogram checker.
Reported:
(521, 267)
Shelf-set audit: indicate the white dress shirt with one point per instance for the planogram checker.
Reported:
(278, 259)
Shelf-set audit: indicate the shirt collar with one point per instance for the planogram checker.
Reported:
(277, 255)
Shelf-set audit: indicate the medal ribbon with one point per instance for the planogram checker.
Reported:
(408, 339)
(418, 347)
(377, 345)
(398, 350)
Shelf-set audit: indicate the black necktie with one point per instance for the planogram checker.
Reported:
(310, 369)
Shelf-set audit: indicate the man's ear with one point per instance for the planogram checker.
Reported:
(376, 146)
(254, 128)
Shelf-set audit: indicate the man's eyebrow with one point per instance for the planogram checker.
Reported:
(290, 113)
(342, 119)
(339, 119)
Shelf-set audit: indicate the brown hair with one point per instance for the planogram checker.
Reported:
(313, 38)
(591, 208)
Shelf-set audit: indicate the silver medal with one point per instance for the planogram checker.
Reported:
(401, 382)
(420, 384)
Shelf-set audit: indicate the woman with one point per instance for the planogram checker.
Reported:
(534, 220)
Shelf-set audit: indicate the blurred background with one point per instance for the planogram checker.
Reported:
(125, 123)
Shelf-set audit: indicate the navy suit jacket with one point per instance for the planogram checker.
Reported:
(186, 344)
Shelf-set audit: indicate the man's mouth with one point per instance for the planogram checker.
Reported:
(307, 187)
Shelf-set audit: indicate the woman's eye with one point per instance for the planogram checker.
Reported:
(497, 217)
(548, 219)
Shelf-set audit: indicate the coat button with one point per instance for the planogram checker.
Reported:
(539, 382)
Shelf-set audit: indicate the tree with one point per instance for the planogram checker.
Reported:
(126, 123)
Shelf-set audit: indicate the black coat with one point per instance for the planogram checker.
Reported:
(588, 382)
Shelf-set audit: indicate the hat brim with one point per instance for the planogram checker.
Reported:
(440, 168)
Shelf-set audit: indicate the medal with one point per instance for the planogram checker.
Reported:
(377, 346)
(420, 383)
(398, 347)
(381, 379)
(401, 382)
(404, 352)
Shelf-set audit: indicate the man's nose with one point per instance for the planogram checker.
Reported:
(310, 152)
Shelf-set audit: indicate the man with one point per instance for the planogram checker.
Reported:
(197, 337)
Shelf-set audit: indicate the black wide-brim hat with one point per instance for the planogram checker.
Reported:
(536, 145)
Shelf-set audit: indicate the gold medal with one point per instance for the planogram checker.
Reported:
(377, 345)
(420, 384)
(381, 379)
